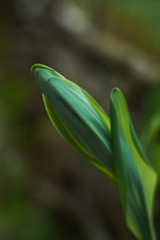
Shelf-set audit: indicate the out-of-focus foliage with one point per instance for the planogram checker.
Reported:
(149, 129)
(136, 22)
(141, 19)
(20, 217)
(41, 174)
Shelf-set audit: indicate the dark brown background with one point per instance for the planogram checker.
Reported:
(47, 190)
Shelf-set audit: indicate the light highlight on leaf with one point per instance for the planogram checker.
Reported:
(135, 176)
(77, 116)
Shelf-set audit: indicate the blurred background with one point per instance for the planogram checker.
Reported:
(47, 190)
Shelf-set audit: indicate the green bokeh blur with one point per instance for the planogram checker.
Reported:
(47, 190)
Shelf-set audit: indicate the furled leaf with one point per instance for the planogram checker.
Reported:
(77, 116)
(135, 176)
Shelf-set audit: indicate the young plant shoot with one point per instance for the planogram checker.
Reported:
(111, 145)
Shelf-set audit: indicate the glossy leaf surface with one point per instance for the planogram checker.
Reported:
(135, 176)
(77, 116)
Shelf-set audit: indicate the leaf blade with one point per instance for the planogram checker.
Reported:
(131, 168)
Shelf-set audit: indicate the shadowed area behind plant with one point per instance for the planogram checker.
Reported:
(48, 191)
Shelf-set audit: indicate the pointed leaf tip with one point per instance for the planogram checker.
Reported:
(136, 178)
(115, 89)
(77, 116)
